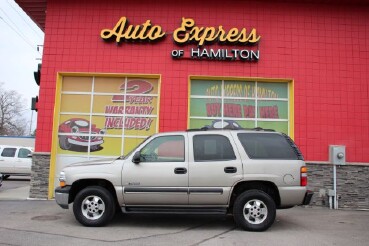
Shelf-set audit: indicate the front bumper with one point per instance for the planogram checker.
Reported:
(62, 196)
(307, 198)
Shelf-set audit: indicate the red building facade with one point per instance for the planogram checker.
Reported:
(313, 54)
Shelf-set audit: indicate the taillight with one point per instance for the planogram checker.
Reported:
(303, 177)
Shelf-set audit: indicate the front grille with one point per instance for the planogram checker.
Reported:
(86, 138)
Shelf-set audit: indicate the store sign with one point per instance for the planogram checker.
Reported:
(123, 31)
(189, 33)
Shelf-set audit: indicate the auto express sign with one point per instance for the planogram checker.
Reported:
(189, 33)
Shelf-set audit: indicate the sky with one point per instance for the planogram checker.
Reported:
(19, 38)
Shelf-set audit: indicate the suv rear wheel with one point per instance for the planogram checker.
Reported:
(254, 210)
(94, 206)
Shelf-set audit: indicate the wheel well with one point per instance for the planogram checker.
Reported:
(266, 186)
(79, 185)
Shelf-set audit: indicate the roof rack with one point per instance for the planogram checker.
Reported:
(233, 129)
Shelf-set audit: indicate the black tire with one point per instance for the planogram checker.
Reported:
(94, 206)
(254, 210)
(63, 143)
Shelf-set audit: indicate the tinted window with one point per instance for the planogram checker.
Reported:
(267, 146)
(212, 148)
(9, 152)
(23, 153)
(164, 149)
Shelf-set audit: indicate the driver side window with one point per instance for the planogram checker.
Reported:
(164, 149)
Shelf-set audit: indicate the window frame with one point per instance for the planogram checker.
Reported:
(212, 160)
(21, 149)
(262, 144)
(157, 147)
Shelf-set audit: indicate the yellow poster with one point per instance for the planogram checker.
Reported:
(106, 116)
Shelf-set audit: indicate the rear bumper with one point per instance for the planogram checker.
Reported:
(307, 198)
(62, 196)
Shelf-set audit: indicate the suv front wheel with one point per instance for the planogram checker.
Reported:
(254, 210)
(94, 206)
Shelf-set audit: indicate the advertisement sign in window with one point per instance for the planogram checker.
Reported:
(227, 103)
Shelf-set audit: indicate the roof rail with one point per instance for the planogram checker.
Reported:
(233, 129)
(262, 129)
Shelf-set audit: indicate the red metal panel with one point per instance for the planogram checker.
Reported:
(323, 47)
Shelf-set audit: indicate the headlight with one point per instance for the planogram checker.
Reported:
(62, 179)
(75, 129)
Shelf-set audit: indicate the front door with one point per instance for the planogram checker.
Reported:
(23, 162)
(161, 176)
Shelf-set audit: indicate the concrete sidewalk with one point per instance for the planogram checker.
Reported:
(21, 193)
(44, 223)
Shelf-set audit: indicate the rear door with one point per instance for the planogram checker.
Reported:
(214, 167)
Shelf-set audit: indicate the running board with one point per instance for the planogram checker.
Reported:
(173, 210)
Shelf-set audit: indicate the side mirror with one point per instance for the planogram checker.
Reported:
(29, 155)
(136, 157)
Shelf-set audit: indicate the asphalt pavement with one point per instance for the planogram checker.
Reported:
(35, 222)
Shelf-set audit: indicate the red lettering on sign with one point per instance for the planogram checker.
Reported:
(133, 87)
(270, 112)
(248, 111)
(232, 110)
(136, 123)
(213, 109)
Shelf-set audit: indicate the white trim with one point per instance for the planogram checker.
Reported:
(105, 93)
(111, 115)
(124, 115)
(242, 119)
(240, 98)
(256, 104)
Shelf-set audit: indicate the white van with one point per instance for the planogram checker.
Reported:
(15, 160)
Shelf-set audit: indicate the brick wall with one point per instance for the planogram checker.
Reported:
(352, 185)
(40, 175)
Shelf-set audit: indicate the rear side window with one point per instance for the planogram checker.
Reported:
(8, 152)
(212, 148)
(267, 146)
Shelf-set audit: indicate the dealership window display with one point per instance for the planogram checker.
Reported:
(103, 115)
(106, 116)
(247, 103)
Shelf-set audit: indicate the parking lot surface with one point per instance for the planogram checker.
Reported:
(15, 188)
(44, 223)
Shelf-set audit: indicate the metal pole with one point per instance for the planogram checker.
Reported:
(30, 127)
(335, 186)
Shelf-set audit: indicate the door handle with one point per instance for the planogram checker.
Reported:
(180, 170)
(230, 169)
